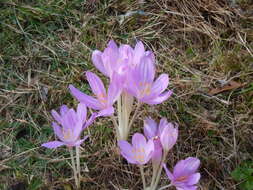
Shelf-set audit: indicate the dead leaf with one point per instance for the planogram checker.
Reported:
(232, 85)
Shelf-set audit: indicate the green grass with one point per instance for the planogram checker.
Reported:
(45, 45)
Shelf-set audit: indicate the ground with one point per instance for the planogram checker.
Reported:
(206, 47)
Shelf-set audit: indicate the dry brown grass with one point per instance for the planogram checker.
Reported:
(201, 44)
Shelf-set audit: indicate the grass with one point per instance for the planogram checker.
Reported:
(46, 45)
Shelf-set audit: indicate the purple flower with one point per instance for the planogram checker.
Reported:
(104, 100)
(184, 176)
(165, 135)
(119, 59)
(113, 59)
(140, 152)
(72, 123)
(141, 84)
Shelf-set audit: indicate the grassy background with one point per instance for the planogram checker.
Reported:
(46, 45)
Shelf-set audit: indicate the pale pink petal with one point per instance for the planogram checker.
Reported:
(146, 71)
(149, 150)
(169, 174)
(139, 141)
(64, 109)
(87, 100)
(57, 130)
(163, 123)
(98, 62)
(79, 142)
(96, 85)
(186, 167)
(53, 144)
(160, 84)
(106, 112)
(159, 99)
(90, 120)
(150, 128)
(169, 137)
(56, 116)
(114, 89)
(127, 151)
(81, 112)
(193, 179)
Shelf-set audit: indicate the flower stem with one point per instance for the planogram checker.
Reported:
(120, 124)
(155, 170)
(78, 163)
(158, 174)
(74, 167)
(143, 177)
(134, 116)
(165, 187)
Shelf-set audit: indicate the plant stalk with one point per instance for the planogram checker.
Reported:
(74, 167)
(143, 177)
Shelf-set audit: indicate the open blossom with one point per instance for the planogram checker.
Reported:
(184, 176)
(141, 84)
(104, 100)
(164, 135)
(119, 59)
(140, 152)
(69, 125)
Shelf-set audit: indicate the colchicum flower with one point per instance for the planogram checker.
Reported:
(104, 100)
(72, 123)
(184, 176)
(164, 136)
(141, 84)
(119, 59)
(140, 152)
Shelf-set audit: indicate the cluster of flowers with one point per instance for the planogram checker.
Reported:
(132, 75)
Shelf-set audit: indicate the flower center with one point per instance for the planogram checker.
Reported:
(145, 88)
(102, 98)
(139, 154)
(182, 178)
(67, 134)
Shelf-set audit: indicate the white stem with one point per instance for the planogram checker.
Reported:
(143, 177)
(158, 175)
(134, 117)
(165, 187)
(74, 167)
(78, 163)
(155, 170)
(120, 125)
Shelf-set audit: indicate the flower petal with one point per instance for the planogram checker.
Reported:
(145, 71)
(186, 167)
(139, 141)
(169, 137)
(139, 51)
(127, 151)
(57, 130)
(160, 84)
(64, 109)
(106, 112)
(114, 89)
(163, 123)
(169, 174)
(193, 179)
(81, 112)
(69, 120)
(149, 150)
(87, 100)
(52, 144)
(159, 99)
(78, 142)
(150, 128)
(98, 62)
(96, 85)
(56, 116)
(90, 120)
